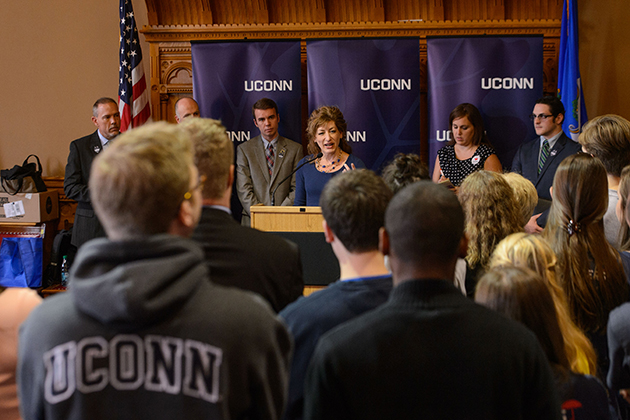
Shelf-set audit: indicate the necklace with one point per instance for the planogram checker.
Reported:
(331, 166)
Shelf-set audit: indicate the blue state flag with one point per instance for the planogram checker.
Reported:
(569, 80)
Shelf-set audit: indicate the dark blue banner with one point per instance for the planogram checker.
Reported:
(229, 77)
(501, 76)
(376, 84)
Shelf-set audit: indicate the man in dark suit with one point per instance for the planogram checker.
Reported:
(537, 160)
(106, 118)
(264, 161)
(238, 256)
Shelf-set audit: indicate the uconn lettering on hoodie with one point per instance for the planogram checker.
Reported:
(128, 362)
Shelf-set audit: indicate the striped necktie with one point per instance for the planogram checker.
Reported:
(544, 154)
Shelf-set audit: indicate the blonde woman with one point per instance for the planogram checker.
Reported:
(491, 215)
(533, 252)
(526, 199)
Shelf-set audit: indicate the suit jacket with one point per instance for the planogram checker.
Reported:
(75, 185)
(249, 259)
(526, 162)
(253, 183)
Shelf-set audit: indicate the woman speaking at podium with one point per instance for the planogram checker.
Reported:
(329, 155)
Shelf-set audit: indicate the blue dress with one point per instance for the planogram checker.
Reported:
(309, 182)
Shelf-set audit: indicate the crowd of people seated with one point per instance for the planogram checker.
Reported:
(475, 294)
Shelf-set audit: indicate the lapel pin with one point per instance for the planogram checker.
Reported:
(97, 149)
(554, 152)
(281, 154)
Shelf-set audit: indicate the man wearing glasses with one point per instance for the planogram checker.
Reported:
(537, 160)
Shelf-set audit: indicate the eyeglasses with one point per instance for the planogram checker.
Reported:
(539, 116)
(199, 186)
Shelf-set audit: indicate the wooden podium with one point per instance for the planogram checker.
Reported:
(287, 219)
(302, 225)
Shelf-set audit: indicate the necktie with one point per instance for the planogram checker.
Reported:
(270, 158)
(544, 154)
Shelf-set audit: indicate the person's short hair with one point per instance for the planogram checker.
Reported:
(262, 104)
(101, 101)
(321, 116)
(474, 116)
(181, 99)
(491, 214)
(555, 104)
(520, 294)
(425, 224)
(525, 195)
(214, 153)
(403, 170)
(353, 204)
(607, 137)
(138, 183)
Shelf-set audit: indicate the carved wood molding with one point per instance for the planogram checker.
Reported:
(157, 33)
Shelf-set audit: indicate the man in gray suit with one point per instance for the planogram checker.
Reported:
(264, 161)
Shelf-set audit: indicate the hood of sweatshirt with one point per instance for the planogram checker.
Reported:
(132, 284)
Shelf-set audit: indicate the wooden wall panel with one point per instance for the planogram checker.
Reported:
(292, 11)
(533, 9)
(404, 10)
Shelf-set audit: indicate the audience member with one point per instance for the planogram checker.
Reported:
(589, 268)
(327, 132)
(623, 211)
(428, 352)
(525, 196)
(520, 294)
(142, 333)
(533, 252)
(273, 268)
(491, 215)
(404, 170)
(106, 118)
(353, 205)
(265, 161)
(468, 150)
(15, 305)
(186, 107)
(607, 137)
(618, 338)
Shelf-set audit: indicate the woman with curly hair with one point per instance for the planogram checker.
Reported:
(533, 252)
(590, 270)
(491, 215)
(326, 130)
(521, 295)
(404, 170)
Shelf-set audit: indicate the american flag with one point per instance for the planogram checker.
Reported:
(133, 95)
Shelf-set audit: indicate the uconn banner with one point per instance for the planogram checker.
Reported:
(501, 76)
(229, 77)
(376, 84)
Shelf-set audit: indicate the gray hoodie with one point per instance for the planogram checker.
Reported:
(142, 333)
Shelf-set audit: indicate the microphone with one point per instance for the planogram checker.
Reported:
(273, 194)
